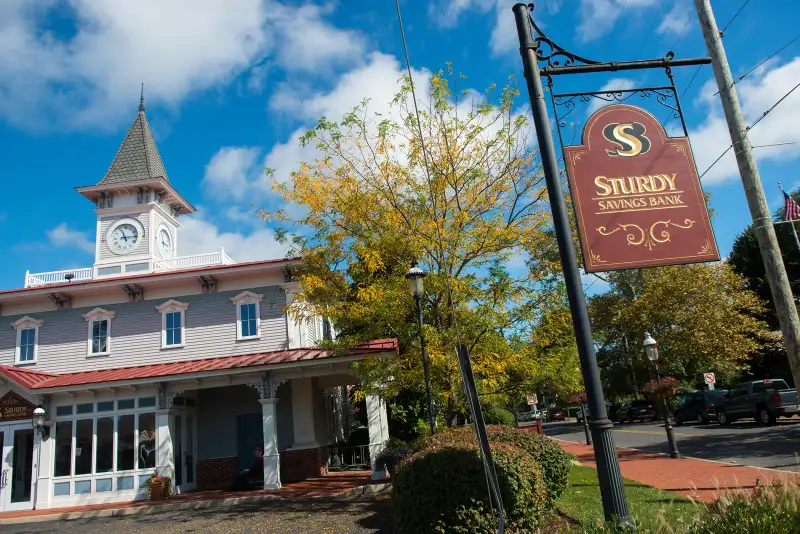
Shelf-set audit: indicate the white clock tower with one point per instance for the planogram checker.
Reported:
(137, 208)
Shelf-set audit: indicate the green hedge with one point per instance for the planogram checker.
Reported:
(553, 461)
(444, 490)
(499, 416)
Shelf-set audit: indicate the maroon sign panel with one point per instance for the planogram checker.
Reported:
(14, 407)
(637, 196)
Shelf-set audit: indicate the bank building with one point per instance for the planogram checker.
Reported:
(152, 362)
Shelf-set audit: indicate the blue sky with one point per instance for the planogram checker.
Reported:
(230, 85)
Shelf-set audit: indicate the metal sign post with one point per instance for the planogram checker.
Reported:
(559, 61)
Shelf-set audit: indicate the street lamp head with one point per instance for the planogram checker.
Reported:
(415, 276)
(650, 347)
(39, 420)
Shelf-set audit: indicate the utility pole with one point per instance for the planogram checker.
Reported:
(762, 220)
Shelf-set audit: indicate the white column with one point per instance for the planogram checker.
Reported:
(164, 455)
(272, 459)
(294, 325)
(42, 469)
(303, 414)
(378, 425)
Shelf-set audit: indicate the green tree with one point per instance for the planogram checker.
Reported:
(702, 316)
(468, 204)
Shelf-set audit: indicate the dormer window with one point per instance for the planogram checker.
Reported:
(27, 339)
(99, 340)
(172, 324)
(248, 315)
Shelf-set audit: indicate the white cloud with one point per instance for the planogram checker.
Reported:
(598, 17)
(62, 236)
(197, 236)
(504, 34)
(90, 78)
(757, 93)
(231, 172)
(675, 21)
(614, 84)
(447, 12)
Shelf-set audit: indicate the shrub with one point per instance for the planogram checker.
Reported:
(767, 510)
(444, 490)
(554, 463)
(499, 416)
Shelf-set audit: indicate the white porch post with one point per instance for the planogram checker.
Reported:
(272, 459)
(43, 467)
(378, 425)
(164, 455)
(294, 325)
(303, 414)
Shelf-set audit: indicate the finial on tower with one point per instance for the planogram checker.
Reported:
(141, 99)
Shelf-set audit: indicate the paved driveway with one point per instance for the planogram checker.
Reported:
(743, 443)
(361, 517)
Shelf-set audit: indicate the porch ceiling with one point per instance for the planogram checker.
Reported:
(39, 382)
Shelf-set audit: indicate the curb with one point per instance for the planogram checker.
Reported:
(353, 493)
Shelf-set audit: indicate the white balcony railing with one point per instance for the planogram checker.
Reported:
(58, 277)
(81, 275)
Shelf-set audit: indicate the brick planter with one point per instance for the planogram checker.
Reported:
(217, 473)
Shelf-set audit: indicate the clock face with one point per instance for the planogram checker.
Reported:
(164, 242)
(124, 238)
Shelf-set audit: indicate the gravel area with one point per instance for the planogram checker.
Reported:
(331, 517)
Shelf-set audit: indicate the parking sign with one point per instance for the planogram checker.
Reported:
(532, 399)
(710, 379)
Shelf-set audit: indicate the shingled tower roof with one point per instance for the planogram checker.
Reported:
(137, 157)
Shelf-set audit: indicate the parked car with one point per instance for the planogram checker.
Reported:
(766, 400)
(699, 406)
(557, 415)
(609, 409)
(636, 410)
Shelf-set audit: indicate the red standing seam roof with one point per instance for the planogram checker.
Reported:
(36, 380)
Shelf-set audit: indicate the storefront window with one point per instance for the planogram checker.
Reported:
(125, 444)
(105, 445)
(63, 454)
(83, 446)
(147, 440)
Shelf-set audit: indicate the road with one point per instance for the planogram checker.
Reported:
(742, 443)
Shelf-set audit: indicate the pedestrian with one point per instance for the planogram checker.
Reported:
(255, 470)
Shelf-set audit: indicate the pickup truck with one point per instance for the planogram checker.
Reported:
(766, 400)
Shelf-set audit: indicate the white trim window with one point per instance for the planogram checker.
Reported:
(99, 333)
(248, 315)
(173, 324)
(27, 340)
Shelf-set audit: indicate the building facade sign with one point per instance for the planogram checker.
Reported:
(637, 195)
(13, 408)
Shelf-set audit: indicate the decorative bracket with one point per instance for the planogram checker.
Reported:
(62, 301)
(548, 51)
(207, 283)
(135, 292)
(262, 385)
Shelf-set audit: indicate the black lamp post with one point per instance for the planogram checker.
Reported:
(415, 277)
(651, 351)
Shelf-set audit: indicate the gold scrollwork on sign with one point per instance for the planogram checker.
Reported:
(705, 249)
(650, 237)
(596, 257)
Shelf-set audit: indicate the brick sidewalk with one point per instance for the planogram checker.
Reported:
(699, 479)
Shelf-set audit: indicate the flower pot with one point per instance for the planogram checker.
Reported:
(156, 490)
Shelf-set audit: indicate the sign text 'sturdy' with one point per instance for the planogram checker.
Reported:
(637, 196)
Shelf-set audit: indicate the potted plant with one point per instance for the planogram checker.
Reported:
(159, 487)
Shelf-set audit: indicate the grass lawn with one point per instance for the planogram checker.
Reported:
(655, 509)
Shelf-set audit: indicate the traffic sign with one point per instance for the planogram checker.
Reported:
(710, 379)
(532, 399)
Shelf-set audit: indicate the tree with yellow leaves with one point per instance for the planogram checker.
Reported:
(462, 193)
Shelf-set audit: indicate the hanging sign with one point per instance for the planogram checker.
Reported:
(637, 195)
(13, 407)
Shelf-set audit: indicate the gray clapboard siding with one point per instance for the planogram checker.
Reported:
(136, 333)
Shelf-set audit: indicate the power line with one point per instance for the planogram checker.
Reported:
(653, 23)
(688, 20)
(763, 115)
(778, 51)
(734, 16)
(619, 16)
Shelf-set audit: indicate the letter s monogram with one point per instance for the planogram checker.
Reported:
(629, 138)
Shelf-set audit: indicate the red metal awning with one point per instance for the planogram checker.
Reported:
(36, 380)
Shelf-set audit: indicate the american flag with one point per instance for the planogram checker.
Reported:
(791, 211)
